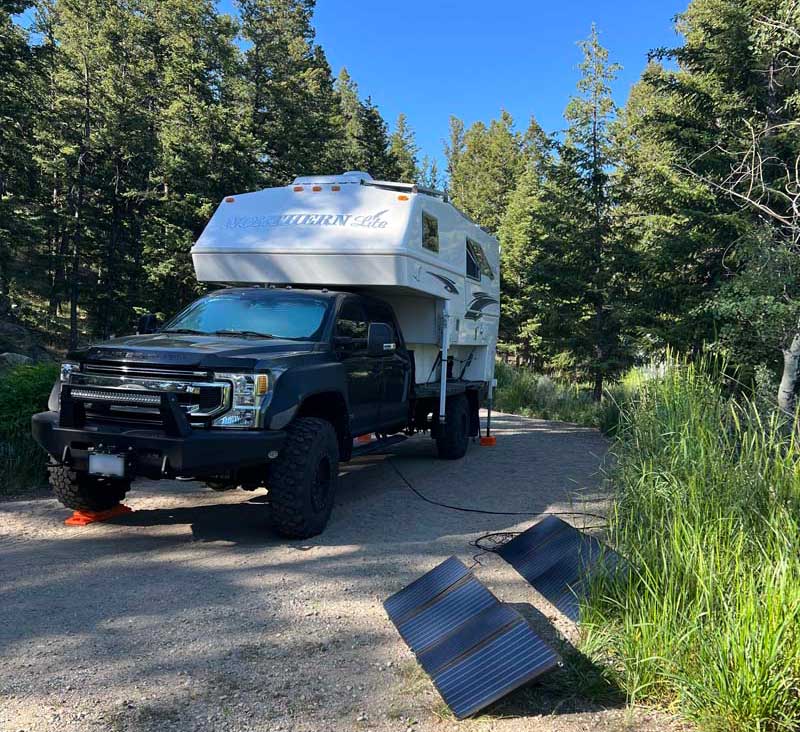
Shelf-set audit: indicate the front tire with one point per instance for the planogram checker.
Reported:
(83, 492)
(302, 481)
(452, 438)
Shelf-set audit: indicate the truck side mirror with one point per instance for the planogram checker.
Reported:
(148, 323)
(380, 340)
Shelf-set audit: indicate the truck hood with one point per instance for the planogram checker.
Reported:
(207, 352)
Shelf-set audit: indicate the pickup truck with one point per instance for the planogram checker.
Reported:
(246, 387)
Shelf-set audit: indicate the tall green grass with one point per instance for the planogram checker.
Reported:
(707, 512)
(530, 394)
(23, 391)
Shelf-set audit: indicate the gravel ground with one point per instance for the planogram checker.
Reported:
(189, 614)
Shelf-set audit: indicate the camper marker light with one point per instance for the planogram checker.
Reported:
(402, 197)
(297, 189)
(336, 188)
(229, 199)
(316, 189)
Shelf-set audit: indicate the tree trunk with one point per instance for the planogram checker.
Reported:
(787, 391)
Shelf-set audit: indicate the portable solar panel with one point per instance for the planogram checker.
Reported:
(475, 648)
(559, 561)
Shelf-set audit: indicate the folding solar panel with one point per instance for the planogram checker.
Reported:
(559, 561)
(474, 648)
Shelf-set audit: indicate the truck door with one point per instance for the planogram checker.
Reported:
(363, 373)
(395, 370)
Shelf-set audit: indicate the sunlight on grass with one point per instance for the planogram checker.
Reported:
(707, 511)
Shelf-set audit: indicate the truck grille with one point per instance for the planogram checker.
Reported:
(133, 394)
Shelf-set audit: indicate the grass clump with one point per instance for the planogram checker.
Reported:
(23, 392)
(707, 512)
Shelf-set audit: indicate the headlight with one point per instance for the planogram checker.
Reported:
(66, 371)
(54, 400)
(251, 395)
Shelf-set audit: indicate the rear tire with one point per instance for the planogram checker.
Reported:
(83, 492)
(452, 439)
(302, 481)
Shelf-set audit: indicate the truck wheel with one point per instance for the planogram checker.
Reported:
(302, 481)
(453, 438)
(82, 492)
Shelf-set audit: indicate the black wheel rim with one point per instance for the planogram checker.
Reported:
(321, 485)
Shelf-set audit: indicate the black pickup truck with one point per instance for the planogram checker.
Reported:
(246, 387)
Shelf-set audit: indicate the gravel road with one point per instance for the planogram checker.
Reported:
(189, 614)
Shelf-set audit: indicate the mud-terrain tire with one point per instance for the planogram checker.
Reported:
(302, 480)
(82, 492)
(453, 437)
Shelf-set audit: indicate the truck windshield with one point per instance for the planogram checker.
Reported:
(256, 313)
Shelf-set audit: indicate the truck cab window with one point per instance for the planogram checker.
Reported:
(430, 233)
(351, 321)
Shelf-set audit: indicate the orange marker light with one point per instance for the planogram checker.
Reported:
(230, 199)
(402, 197)
(336, 188)
(316, 189)
(262, 384)
(297, 189)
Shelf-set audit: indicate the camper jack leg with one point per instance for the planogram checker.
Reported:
(443, 366)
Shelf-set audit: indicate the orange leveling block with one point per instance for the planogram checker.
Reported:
(84, 518)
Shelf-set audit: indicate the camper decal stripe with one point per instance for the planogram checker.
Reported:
(449, 284)
(480, 300)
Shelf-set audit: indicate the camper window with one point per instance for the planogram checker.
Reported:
(430, 233)
(473, 268)
(477, 263)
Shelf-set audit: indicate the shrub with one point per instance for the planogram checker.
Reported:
(522, 391)
(23, 391)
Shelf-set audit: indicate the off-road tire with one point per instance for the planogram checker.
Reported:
(452, 439)
(301, 504)
(83, 492)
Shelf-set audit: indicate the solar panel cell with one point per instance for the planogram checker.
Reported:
(445, 614)
(472, 633)
(426, 588)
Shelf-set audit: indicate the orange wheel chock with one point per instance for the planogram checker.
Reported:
(84, 518)
(490, 441)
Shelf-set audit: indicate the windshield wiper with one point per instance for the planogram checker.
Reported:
(188, 331)
(251, 333)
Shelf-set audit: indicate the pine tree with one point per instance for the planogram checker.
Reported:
(584, 264)
(485, 163)
(291, 88)
(362, 138)
(404, 150)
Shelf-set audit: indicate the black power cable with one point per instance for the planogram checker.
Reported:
(490, 513)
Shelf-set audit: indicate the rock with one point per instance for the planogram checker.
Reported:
(9, 360)
(17, 339)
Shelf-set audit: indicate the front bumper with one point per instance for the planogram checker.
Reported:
(153, 452)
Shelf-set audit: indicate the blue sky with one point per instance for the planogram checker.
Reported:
(434, 58)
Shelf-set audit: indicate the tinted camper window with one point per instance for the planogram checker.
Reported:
(477, 262)
(473, 268)
(430, 233)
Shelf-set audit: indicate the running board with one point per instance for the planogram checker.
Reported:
(378, 445)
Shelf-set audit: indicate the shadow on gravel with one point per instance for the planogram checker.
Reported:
(240, 523)
(577, 685)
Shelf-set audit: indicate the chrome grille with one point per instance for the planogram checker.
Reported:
(136, 391)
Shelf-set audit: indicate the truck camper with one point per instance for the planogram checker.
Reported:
(346, 308)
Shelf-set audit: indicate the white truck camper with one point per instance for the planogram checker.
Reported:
(404, 244)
